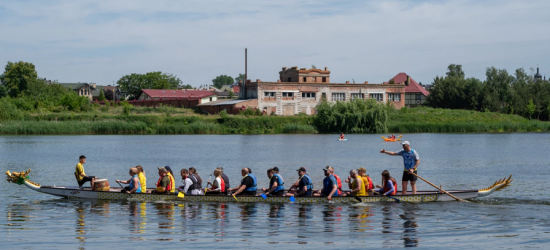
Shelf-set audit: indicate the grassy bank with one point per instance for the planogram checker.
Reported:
(167, 120)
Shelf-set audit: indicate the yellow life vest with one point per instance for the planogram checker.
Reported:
(361, 192)
(365, 184)
(172, 182)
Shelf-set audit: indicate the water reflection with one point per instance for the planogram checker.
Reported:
(165, 217)
(137, 217)
(218, 212)
(17, 215)
(248, 211)
(273, 220)
(410, 238)
(359, 219)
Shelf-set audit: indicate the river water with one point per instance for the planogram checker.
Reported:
(516, 217)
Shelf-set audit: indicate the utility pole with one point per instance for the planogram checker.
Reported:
(245, 71)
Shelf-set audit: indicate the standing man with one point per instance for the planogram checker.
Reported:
(411, 161)
(81, 176)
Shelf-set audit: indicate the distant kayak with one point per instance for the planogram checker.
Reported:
(386, 139)
(342, 139)
(389, 139)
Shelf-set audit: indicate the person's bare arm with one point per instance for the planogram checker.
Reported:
(383, 151)
(240, 190)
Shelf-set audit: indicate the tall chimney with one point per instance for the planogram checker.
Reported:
(245, 70)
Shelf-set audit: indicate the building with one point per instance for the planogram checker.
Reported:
(415, 94)
(109, 90)
(174, 97)
(82, 89)
(300, 90)
(537, 75)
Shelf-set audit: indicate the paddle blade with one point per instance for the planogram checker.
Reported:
(235, 198)
(181, 195)
(400, 136)
(263, 196)
(399, 139)
(396, 200)
(383, 137)
(292, 199)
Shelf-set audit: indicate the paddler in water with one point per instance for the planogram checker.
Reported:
(164, 184)
(330, 185)
(134, 186)
(342, 136)
(248, 184)
(303, 186)
(411, 161)
(276, 187)
(81, 176)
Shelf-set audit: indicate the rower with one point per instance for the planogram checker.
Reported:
(276, 171)
(303, 185)
(142, 179)
(338, 180)
(356, 184)
(276, 187)
(170, 175)
(389, 185)
(225, 179)
(342, 136)
(330, 185)
(134, 186)
(219, 184)
(193, 172)
(81, 176)
(411, 161)
(367, 182)
(164, 184)
(248, 184)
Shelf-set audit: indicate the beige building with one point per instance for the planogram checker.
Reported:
(82, 89)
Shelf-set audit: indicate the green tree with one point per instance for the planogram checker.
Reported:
(133, 84)
(231, 94)
(102, 95)
(3, 91)
(17, 76)
(530, 108)
(221, 80)
(187, 86)
(239, 78)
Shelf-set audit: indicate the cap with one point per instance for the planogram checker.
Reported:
(326, 168)
(220, 168)
(406, 143)
(362, 169)
(168, 168)
(301, 169)
(162, 169)
(276, 169)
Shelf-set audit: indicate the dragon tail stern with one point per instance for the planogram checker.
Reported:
(498, 185)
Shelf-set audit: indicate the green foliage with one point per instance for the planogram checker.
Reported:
(3, 91)
(231, 94)
(187, 87)
(250, 112)
(126, 107)
(17, 76)
(531, 108)
(134, 83)
(295, 128)
(221, 80)
(357, 116)
(102, 95)
(239, 78)
(9, 111)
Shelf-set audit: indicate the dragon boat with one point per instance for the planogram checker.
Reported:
(22, 178)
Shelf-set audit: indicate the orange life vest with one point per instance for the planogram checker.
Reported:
(339, 184)
(371, 186)
(386, 189)
(169, 187)
(222, 185)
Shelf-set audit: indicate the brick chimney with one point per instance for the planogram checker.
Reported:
(347, 82)
(325, 68)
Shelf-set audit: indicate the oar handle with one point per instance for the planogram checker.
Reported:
(440, 189)
(123, 188)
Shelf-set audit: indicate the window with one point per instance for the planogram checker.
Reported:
(288, 94)
(324, 79)
(357, 96)
(418, 97)
(81, 92)
(314, 79)
(338, 96)
(308, 95)
(269, 94)
(304, 79)
(377, 97)
(394, 97)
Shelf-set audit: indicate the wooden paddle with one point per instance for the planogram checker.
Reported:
(440, 189)
(206, 188)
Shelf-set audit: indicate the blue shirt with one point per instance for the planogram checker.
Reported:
(409, 158)
(328, 184)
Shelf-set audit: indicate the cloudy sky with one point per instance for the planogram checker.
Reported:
(100, 41)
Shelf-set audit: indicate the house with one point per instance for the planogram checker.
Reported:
(174, 97)
(301, 90)
(82, 89)
(108, 92)
(415, 94)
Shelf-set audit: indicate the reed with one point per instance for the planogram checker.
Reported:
(192, 128)
(295, 128)
(72, 127)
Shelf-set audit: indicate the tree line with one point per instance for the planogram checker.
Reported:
(519, 93)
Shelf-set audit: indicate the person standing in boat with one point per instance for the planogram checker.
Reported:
(248, 184)
(193, 172)
(303, 186)
(81, 176)
(276, 187)
(330, 185)
(142, 179)
(411, 161)
(134, 186)
(164, 184)
(389, 185)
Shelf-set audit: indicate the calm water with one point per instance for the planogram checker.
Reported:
(516, 217)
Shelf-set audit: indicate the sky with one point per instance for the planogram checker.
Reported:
(101, 41)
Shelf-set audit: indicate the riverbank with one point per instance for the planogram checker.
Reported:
(166, 120)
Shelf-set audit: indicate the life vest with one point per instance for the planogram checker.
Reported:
(132, 185)
(366, 183)
(362, 191)
(172, 183)
(309, 184)
(279, 183)
(253, 188)
(168, 188)
(386, 189)
(339, 183)
(226, 180)
(371, 186)
(195, 184)
(222, 185)
(142, 181)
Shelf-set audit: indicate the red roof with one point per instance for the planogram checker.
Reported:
(236, 89)
(413, 86)
(185, 93)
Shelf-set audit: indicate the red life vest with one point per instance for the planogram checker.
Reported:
(169, 187)
(222, 185)
(339, 184)
(371, 186)
(386, 189)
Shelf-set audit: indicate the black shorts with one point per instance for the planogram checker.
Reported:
(85, 179)
(247, 193)
(278, 193)
(409, 177)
